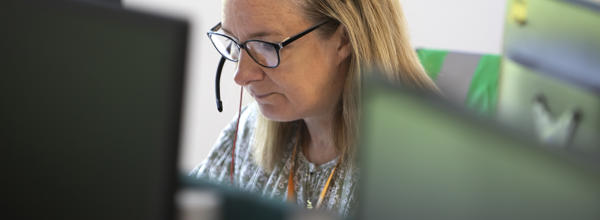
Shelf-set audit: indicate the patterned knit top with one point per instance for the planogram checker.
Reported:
(309, 178)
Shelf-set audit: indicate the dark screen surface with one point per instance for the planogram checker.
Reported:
(90, 102)
(424, 159)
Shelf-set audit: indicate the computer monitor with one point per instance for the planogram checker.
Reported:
(549, 85)
(421, 158)
(90, 102)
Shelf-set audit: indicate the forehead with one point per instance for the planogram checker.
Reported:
(245, 18)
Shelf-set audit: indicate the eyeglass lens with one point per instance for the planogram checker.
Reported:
(263, 53)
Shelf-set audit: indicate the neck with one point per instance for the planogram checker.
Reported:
(320, 147)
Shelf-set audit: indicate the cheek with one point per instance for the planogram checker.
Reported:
(317, 91)
(322, 79)
(309, 82)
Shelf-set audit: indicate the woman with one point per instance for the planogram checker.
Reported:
(301, 60)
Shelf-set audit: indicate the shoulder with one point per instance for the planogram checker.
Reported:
(216, 166)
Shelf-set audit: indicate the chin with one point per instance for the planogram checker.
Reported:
(276, 113)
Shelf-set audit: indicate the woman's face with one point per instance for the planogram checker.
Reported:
(309, 79)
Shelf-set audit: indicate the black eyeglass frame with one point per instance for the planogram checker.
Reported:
(277, 46)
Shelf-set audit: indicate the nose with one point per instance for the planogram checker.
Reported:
(247, 70)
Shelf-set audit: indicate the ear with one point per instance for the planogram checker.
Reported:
(343, 47)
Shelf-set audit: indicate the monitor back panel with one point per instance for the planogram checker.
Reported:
(549, 84)
(421, 159)
(89, 123)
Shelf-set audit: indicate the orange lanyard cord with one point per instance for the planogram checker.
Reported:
(324, 190)
(291, 191)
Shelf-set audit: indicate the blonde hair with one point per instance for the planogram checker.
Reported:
(376, 30)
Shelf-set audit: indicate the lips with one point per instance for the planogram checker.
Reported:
(259, 94)
(263, 95)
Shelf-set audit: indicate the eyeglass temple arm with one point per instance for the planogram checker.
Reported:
(216, 27)
(218, 84)
(295, 37)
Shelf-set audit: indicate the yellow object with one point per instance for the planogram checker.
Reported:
(518, 11)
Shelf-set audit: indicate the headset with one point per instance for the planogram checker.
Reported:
(218, 84)
(220, 109)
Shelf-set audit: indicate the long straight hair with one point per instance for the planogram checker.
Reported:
(376, 30)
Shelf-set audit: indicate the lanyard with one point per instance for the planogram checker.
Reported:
(291, 191)
(237, 125)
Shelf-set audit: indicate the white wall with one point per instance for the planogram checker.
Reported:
(465, 25)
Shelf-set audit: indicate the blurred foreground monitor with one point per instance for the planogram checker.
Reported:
(550, 79)
(91, 100)
(203, 199)
(424, 159)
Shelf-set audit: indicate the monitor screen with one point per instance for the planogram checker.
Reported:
(422, 159)
(89, 123)
(593, 4)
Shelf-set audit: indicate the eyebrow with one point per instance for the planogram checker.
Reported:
(253, 35)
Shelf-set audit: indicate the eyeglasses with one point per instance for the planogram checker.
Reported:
(264, 53)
